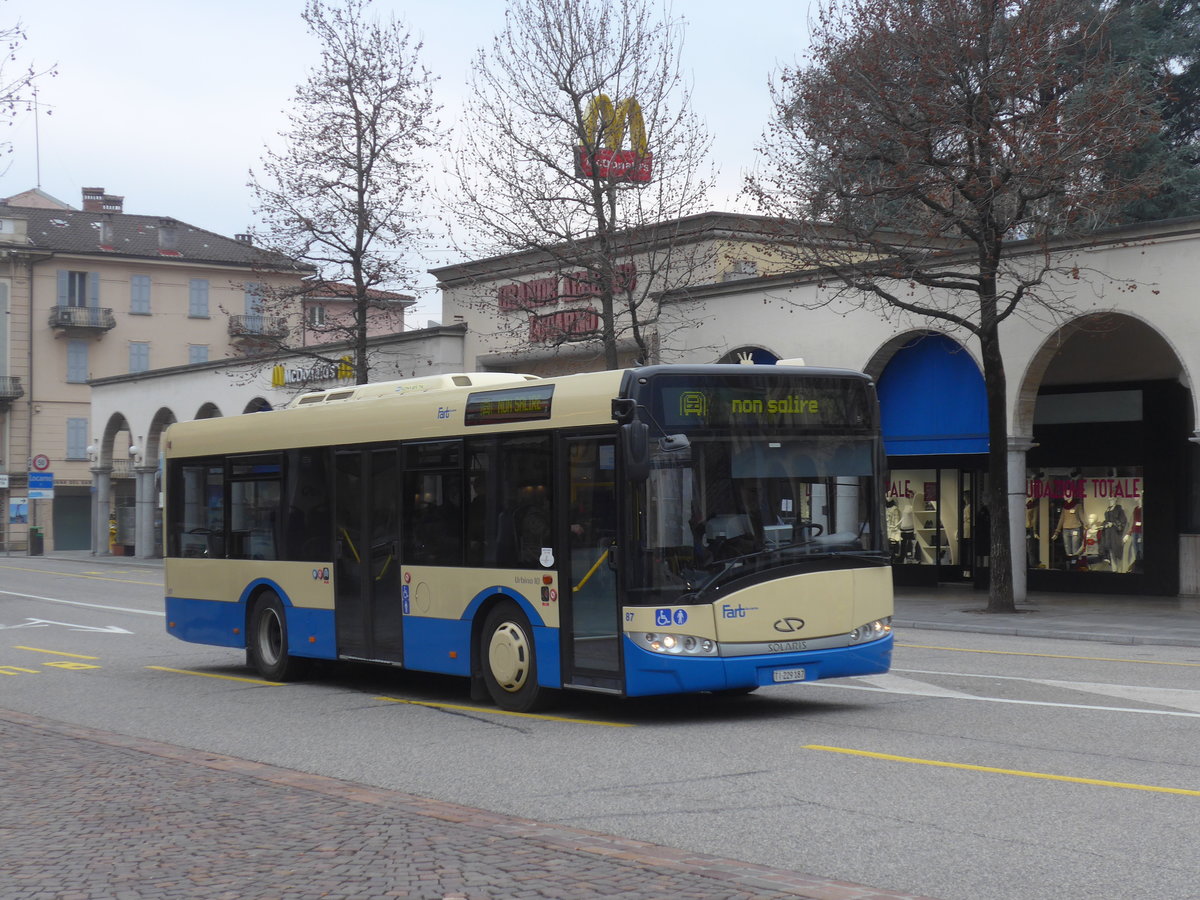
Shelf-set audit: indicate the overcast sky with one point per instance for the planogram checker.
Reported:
(169, 103)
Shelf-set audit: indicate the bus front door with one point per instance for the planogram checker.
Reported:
(368, 613)
(592, 615)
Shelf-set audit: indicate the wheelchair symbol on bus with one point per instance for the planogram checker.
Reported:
(664, 617)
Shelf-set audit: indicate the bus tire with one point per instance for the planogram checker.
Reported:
(508, 661)
(267, 644)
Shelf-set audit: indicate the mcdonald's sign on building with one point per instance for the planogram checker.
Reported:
(343, 370)
(605, 128)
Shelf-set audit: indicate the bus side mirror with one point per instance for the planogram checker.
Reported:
(635, 441)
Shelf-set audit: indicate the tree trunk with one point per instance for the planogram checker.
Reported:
(1000, 582)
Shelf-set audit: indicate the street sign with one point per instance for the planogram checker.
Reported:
(3, 482)
(41, 462)
(41, 485)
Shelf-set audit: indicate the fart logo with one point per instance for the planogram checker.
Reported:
(693, 403)
(321, 575)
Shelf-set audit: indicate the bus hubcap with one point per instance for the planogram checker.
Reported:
(508, 656)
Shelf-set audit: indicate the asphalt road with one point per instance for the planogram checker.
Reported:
(982, 767)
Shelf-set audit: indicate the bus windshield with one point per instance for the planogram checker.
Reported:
(751, 495)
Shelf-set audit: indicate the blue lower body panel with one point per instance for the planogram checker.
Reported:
(214, 622)
(648, 673)
(223, 624)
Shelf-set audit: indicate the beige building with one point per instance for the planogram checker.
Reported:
(91, 293)
(538, 312)
(1102, 412)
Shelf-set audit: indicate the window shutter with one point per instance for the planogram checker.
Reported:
(62, 287)
(77, 362)
(254, 304)
(77, 438)
(93, 289)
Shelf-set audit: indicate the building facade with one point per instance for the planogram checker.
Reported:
(126, 514)
(1101, 409)
(91, 293)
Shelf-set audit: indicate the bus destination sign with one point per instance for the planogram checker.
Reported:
(524, 404)
(778, 404)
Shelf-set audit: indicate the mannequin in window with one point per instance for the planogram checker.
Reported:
(1070, 526)
(908, 534)
(1031, 535)
(893, 529)
(1112, 535)
(1135, 536)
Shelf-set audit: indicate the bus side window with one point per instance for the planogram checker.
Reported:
(525, 523)
(433, 518)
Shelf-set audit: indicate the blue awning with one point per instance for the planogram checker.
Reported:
(932, 400)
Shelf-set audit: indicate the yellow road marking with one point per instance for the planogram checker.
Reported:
(85, 577)
(55, 652)
(503, 712)
(214, 675)
(996, 771)
(1144, 662)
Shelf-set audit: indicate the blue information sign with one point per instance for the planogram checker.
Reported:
(41, 481)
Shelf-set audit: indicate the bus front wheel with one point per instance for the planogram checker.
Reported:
(508, 661)
(267, 644)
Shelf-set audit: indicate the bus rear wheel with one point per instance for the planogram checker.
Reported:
(508, 660)
(267, 644)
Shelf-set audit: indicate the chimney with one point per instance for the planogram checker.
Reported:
(168, 236)
(244, 238)
(95, 200)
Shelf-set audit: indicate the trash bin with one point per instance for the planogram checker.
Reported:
(36, 542)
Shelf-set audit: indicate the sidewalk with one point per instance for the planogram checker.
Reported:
(1110, 618)
(91, 813)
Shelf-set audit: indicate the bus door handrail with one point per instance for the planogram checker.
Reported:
(592, 571)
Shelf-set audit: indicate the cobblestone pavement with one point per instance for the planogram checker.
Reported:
(94, 815)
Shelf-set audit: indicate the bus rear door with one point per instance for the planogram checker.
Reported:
(368, 612)
(592, 628)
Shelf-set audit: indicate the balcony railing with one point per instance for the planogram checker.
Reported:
(93, 318)
(255, 326)
(10, 388)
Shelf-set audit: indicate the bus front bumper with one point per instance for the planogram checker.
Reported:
(648, 673)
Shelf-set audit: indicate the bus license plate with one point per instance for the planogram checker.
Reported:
(788, 675)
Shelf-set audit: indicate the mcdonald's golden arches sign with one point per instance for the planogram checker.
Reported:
(605, 154)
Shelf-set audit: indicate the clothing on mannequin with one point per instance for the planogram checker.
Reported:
(1135, 537)
(1031, 536)
(893, 529)
(1112, 535)
(1070, 526)
(908, 535)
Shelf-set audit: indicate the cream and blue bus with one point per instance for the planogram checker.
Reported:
(657, 530)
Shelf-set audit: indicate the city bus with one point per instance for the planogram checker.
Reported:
(657, 530)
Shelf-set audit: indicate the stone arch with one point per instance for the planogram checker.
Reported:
(106, 451)
(878, 360)
(209, 410)
(756, 353)
(162, 418)
(1147, 353)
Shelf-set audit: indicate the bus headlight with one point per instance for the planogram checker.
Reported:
(872, 631)
(678, 644)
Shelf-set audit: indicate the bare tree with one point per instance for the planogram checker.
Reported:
(17, 80)
(578, 134)
(935, 134)
(343, 195)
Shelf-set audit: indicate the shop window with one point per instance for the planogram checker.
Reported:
(1085, 519)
